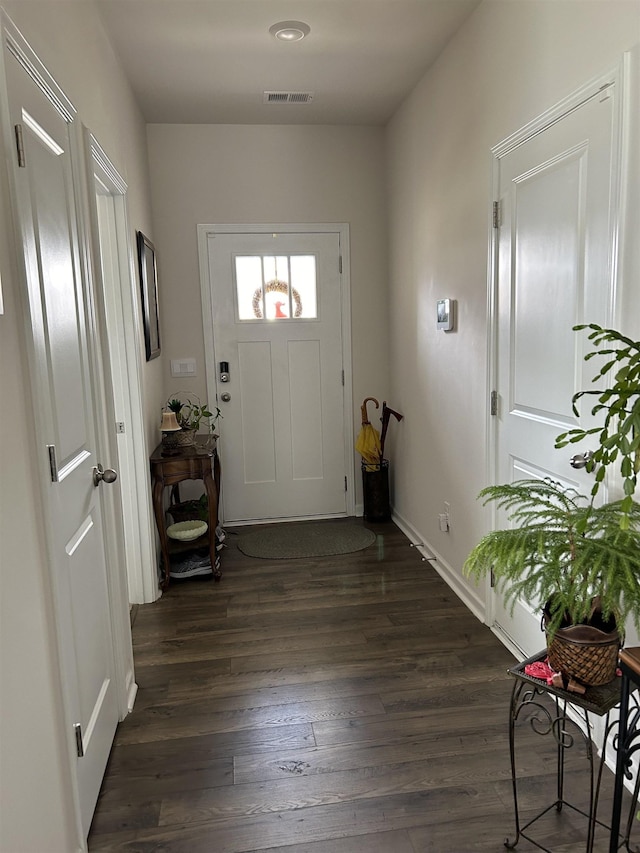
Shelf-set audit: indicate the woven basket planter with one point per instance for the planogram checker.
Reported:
(584, 652)
(186, 438)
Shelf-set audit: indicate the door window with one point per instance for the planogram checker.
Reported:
(276, 287)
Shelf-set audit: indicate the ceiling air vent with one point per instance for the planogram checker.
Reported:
(287, 97)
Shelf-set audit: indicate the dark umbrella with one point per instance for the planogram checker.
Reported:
(386, 417)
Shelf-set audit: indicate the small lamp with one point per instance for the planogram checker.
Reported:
(169, 422)
(169, 427)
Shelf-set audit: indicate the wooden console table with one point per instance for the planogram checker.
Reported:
(191, 463)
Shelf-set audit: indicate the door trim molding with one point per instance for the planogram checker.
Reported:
(125, 335)
(613, 81)
(112, 515)
(558, 111)
(17, 44)
(342, 230)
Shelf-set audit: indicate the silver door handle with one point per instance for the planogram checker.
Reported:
(581, 460)
(106, 475)
(225, 397)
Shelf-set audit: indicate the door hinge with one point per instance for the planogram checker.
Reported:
(340, 264)
(345, 484)
(493, 578)
(343, 378)
(120, 427)
(79, 744)
(494, 403)
(496, 214)
(53, 464)
(20, 146)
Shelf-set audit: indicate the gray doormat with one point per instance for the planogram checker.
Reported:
(295, 540)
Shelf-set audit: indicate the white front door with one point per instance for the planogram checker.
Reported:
(554, 269)
(276, 320)
(65, 408)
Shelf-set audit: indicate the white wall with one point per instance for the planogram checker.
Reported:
(35, 802)
(508, 63)
(255, 174)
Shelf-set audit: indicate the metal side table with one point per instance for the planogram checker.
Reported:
(552, 719)
(628, 743)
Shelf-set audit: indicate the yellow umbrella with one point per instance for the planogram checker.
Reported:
(368, 442)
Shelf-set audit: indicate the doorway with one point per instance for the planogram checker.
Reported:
(277, 337)
(115, 272)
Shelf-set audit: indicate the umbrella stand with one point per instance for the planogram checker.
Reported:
(375, 470)
(375, 491)
(375, 478)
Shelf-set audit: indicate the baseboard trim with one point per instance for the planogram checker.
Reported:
(507, 642)
(446, 571)
(131, 695)
(251, 521)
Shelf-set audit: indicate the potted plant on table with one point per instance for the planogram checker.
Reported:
(582, 561)
(193, 416)
(575, 558)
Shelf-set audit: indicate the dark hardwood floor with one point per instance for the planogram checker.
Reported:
(343, 704)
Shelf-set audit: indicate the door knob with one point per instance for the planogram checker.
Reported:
(581, 460)
(101, 474)
(225, 397)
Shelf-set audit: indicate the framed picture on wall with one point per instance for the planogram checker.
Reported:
(149, 291)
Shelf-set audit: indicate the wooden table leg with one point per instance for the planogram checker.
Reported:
(158, 510)
(212, 498)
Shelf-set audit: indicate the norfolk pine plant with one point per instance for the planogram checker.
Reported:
(562, 549)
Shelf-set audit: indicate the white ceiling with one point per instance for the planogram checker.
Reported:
(209, 61)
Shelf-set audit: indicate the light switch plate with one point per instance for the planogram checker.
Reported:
(183, 367)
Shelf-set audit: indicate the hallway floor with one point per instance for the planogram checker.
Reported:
(344, 704)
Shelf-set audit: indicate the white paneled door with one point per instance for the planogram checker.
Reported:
(65, 408)
(554, 266)
(276, 312)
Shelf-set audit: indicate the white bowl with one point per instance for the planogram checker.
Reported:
(187, 530)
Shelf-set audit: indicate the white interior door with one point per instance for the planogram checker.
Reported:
(555, 250)
(66, 407)
(276, 313)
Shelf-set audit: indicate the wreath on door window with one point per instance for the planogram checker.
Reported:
(275, 286)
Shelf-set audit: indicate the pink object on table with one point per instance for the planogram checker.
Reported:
(540, 669)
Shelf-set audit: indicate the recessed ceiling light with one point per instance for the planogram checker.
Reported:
(290, 30)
